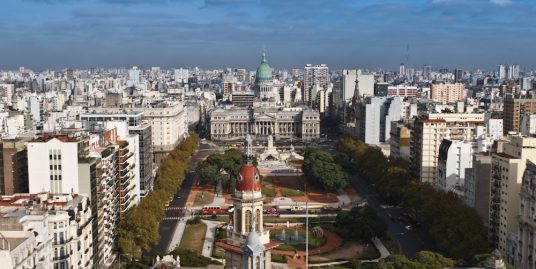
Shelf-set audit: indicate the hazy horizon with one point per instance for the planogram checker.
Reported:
(467, 34)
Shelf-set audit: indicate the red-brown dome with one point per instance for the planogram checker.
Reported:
(248, 179)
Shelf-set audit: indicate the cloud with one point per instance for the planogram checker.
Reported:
(500, 2)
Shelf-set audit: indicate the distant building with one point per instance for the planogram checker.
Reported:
(402, 90)
(13, 167)
(514, 109)
(314, 74)
(446, 93)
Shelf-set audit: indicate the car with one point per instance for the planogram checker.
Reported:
(167, 203)
(409, 228)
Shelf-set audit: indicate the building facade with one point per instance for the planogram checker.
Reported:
(446, 93)
(514, 109)
(13, 167)
(428, 133)
(526, 253)
(314, 74)
(286, 123)
(507, 171)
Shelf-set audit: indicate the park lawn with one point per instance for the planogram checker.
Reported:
(193, 237)
(287, 192)
(277, 219)
(268, 192)
(203, 198)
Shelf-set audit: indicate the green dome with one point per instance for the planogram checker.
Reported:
(264, 71)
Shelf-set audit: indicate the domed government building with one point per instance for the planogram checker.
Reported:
(266, 115)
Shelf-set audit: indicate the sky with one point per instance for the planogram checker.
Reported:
(41, 34)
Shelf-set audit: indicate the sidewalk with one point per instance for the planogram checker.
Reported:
(179, 231)
(209, 237)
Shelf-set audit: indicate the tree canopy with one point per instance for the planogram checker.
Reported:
(137, 232)
(360, 223)
(321, 170)
(456, 228)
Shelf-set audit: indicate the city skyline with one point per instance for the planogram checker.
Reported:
(42, 34)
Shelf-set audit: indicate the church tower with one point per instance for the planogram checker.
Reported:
(248, 244)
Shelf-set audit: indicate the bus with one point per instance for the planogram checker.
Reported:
(211, 209)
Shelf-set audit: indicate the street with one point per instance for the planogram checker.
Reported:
(410, 242)
(167, 226)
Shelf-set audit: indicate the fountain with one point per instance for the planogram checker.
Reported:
(292, 238)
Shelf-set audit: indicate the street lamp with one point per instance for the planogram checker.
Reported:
(126, 254)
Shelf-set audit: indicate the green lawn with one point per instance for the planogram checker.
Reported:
(193, 237)
(291, 192)
(203, 198)
(268, 192)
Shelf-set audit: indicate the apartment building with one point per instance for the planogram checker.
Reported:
(514, 109)
(507, 171)
(13, 167)
(526, 251)
(447, 93)
(60, 226)
(428, 133)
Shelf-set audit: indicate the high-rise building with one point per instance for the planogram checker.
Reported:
(377, 113)
(428, 133)
(477, 185)
(448, 93)
(458, 75)
(133, 77)
(514, 109)
(366, 84)
(314, 74)
(507, 171)
(526, 253)
(13, 167)
(136, 126)
(502, 71)
(427, 72)
(453, 158)
(402, 71)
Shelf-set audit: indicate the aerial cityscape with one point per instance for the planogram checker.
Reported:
(267, 134)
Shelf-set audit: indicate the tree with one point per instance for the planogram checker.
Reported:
(360, 223)
(322, 170)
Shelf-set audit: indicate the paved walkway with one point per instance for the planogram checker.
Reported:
(384, 252)
(209, 237)
(179, 231)
(343, 197)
